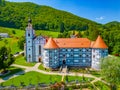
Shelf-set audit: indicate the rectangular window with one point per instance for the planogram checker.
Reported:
(69, 50)
(76, 50)
(39, 49)
(76, 55)
(76, 61)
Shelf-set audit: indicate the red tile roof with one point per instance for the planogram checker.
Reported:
(74, 43)
(51, 44)
(99, 43)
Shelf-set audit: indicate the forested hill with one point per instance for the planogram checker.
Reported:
(15, 15)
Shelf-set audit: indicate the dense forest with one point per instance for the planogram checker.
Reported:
(15, 15)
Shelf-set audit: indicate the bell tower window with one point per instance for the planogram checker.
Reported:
(40, 49)
(28, 34)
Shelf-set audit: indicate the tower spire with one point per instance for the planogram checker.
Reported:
(29, 23)
(29, 20)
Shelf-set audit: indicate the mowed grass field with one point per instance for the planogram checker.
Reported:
(20, 60)
(16, 34)
(36, 77)
(33, 78)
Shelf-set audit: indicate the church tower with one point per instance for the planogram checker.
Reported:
(29, 41)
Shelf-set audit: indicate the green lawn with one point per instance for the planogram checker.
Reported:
(33, 77)
(20, 60)
(42, 68)
(95, 73)
(12, 70)
(101, 85)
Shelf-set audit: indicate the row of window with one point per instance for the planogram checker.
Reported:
(76, 50)
(75, 55)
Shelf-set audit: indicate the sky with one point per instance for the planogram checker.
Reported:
(101, 11)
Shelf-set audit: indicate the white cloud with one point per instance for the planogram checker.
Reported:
(100, 18)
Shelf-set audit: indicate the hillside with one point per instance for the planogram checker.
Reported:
(45, 18)
(15, 15)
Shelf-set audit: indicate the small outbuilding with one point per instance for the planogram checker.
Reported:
(4, 35)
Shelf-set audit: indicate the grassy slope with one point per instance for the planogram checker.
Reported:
(20, 60)
(47, 33)
(12, 42)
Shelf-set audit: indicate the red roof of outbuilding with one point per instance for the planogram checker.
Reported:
(99, 43)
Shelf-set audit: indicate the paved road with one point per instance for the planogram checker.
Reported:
(35, 68)
(19, 54)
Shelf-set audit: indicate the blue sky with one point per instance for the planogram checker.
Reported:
(101, 11)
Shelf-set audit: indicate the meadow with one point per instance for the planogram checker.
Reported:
(16, 34)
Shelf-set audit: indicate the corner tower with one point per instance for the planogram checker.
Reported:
(99, 50)
(51, 54)
(29, 41)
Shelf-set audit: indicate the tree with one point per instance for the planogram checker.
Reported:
(2, 2)
(21, 43)
(110, 70)
(6, 58)
(6, 41)
(62, 28)
(13, 31)
(0, 38)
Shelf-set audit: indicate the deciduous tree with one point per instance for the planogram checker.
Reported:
(21, 43)
(110, 69)
(6, 58)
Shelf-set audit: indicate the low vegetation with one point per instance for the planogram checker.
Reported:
(111, 71)
(43, 68)
(101, 85)
(78, 79)
(20, 60)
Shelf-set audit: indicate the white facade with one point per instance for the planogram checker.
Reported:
(97, 55)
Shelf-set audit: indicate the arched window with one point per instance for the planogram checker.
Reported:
(28, 34)
(40, 49)
(29, 56)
